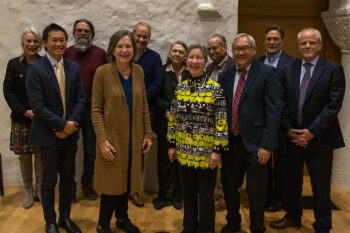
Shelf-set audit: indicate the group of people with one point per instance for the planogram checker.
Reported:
(214, 123)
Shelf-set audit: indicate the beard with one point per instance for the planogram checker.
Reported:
(82, 44)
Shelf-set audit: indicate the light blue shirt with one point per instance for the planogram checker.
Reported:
(273, 60)
(53, 62)
(313, 63)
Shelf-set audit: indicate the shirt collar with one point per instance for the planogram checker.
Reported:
(223, 61)
(52, 60)
(313, 61)
(247, 69)
(170, 68)
(273, 57)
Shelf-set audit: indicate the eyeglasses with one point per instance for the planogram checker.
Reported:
(82, 30)
(243, 49)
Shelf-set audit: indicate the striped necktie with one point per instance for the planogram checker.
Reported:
(62, 85)
(302, 91)
(238, 93)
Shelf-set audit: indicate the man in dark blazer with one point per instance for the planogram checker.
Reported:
(313, 95)
(275, 57)
(56, 96)
(253, 96)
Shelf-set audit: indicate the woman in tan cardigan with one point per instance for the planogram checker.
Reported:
(121, 121)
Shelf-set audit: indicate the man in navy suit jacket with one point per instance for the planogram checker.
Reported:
(55, 127)
(313, 95)
(273, 39)
(258, 122)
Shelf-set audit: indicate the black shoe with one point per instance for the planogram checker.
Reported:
(51, 228)
(159, 203)
(127, 226)
(89, 192)
(68, 225)
(177, 204)
(99, 229)
(276, 206)
(230, 228)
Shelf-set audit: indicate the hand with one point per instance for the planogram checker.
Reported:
(29, 113)
(263, 156)
(61, 134)
(167, 114)
(71, 127)
(215, 160)
(303, 138)
(107, 151)
(172, 154)
(292, 133)
(146, 145)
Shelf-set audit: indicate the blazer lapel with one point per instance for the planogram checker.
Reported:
(52, 76)
(296, 77)
(67, 79)
(252, 74)
(315, 77)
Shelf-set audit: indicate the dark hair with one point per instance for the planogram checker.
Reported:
(115, 38)
(92, 28)
(221, 38)
(53, 27)
(168, 61)
(274, 28)
(202, 48)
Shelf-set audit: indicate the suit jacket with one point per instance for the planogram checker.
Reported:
(230, 62)
(15, 91)
(322, 104)
(284, 60)
(259, 108)
(45, 98)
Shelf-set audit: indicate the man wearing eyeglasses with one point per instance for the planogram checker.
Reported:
(275, 57)
(253, 97)
(89, 57)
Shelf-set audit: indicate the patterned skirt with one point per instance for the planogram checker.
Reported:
(19, 138)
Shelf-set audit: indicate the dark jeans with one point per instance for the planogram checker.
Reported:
(89, 146)
(110, 203)
(57, 159)
(198, 197)
(319, 165)
(235, 163)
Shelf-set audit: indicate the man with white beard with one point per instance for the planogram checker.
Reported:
(89, 57)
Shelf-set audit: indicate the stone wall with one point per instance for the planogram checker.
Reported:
(188, 20)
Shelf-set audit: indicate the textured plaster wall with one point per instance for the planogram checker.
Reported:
(170, 20)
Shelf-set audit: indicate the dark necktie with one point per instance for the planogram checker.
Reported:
(302, 91)
(236, 98)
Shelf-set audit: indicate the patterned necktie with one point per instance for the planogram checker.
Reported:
(62, 85)
(302, 91)
(238, 93)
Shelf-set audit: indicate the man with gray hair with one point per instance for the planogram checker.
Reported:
(217, 51)
(313, 94)
(89, 57)
(253, 96)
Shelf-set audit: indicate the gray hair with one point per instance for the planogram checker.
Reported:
(317, 33)
(144, 25)
(32, 30)
(251, 39)
(221, 37)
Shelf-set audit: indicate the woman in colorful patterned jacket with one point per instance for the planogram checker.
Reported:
(197, 134)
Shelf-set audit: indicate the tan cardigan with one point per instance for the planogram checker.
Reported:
(110, 118)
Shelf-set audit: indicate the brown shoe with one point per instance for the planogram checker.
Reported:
(217, 197)
(136, 199)
(284, 223)
(220, 205)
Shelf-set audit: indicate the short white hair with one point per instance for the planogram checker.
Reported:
(317, 33)
(251, 39)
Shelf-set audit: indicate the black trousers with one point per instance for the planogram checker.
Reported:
(319, 165)
(198, 198)
(168, 172)
(235, 163)
(110, 203)
(57, 159)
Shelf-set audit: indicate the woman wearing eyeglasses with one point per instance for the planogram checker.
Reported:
(197, 134)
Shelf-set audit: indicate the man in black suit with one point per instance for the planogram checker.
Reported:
(313, 95)
(253, 96)
(273, 40)
(56, 96)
